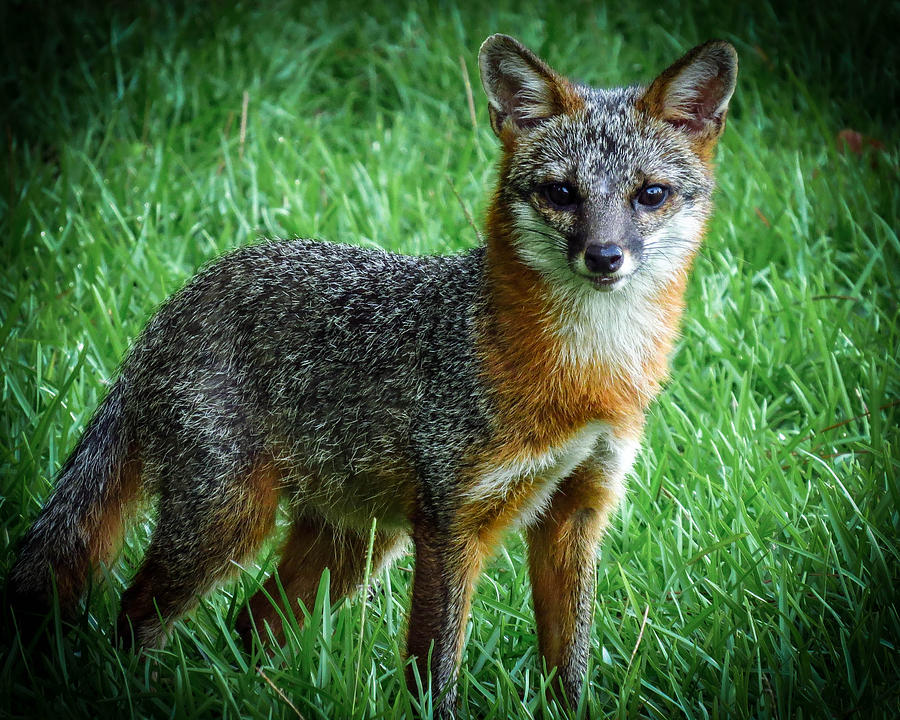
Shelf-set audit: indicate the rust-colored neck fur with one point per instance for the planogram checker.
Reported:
(544, 395)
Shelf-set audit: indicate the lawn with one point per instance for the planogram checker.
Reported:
(753, 569)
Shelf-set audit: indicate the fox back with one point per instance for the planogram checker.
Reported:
(444, 398)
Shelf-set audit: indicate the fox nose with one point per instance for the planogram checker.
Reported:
(603, 258)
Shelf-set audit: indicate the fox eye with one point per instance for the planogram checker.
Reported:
(560, 195)
(652, 196)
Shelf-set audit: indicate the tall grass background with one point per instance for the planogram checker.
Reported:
(752, 571)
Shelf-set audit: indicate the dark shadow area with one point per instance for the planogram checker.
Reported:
(57, 55)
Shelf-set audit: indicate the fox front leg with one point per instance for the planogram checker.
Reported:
(562, 551)
(447, 565)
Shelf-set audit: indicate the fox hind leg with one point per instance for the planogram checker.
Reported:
(197, 541)
(313, 545)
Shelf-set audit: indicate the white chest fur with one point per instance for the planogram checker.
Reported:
(615, 330)
(595, 442)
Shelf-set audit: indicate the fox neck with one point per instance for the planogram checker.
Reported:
(570, 356)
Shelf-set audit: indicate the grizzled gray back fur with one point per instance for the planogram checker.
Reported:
(339, 359)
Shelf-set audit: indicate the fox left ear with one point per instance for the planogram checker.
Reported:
(693, 93)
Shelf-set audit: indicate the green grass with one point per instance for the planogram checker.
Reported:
(752, 571)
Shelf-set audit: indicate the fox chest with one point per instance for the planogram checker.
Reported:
(527, 483)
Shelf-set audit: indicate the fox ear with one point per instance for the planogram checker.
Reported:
(522, 90)
(693, 93)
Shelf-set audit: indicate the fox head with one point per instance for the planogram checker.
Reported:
(606, 190)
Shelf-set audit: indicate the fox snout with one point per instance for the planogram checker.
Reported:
(606, 257)
(603, 259)
(606, 265)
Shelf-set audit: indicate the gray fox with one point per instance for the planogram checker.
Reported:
(448, 398)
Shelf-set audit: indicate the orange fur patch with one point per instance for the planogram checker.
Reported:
(246, 521)
(566, 98)
(106, 525)
(543, 399)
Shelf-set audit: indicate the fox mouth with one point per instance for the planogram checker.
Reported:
(607, 283)
(604, 282)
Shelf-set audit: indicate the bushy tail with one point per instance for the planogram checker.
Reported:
(82, 521)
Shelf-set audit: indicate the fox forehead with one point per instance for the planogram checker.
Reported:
(607, 146)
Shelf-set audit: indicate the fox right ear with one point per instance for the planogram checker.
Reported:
(522, 90)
